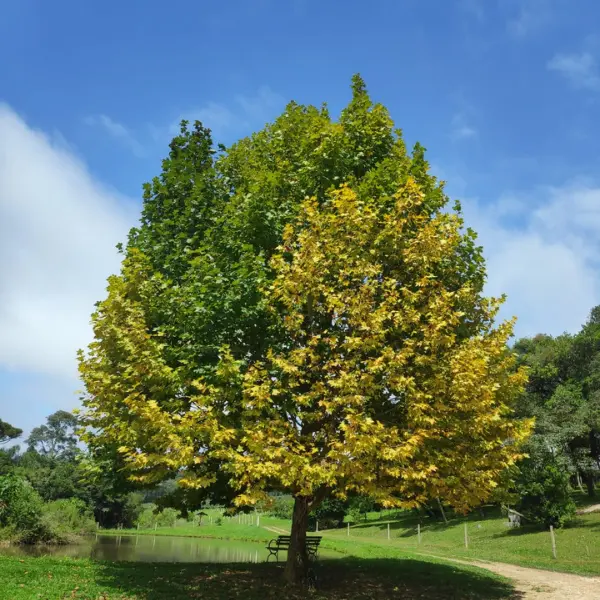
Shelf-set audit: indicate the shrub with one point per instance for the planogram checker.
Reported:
(147, 517)
(544, 489)
(132, 508)
(21, 511)
(330, 514)
(66, 519)
(360, 506)
(167, 517)
(282, 507)
(150, 517)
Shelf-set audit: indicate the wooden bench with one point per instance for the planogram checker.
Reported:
(283, 543)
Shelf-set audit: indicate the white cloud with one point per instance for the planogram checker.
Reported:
(241, 116)
(522, 18)
(579, 69)
(543, 251)
(530, 16)
(58, 230)
(118, 131)
(461, 129)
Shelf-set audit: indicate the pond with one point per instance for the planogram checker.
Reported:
(146, 548)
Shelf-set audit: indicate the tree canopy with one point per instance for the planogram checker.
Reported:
(8, 432)
(303, 312)
(563, 394)
(57, 436)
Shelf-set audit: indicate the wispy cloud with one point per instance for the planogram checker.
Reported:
(227, 120)
(118, 131)
(580, 69)
(529, 16)
(462, 129)
(237, 117)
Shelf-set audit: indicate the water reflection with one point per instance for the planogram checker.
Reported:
(151, 549)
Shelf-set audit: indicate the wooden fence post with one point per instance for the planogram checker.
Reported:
(388, 531)
(466, 537)
(553, 541)
(419, 532)
(348, 528)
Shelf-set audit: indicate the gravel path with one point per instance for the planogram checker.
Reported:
(589, 509)
(537, 584)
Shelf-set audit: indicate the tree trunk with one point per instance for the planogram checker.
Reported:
(442, 510)
(591, 487)
(579, 482)
(296, 567)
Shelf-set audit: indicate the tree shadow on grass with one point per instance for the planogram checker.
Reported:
(339, 579)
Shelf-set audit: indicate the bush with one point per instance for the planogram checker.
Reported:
(544, 489)
(167, 517)
(27, 520)
(21, 511)
(67, 519)
(150, 517)
(282, 507)
(330, 514)
(132, 508)
(360, 506)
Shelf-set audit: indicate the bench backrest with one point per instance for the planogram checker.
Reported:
(312, 540)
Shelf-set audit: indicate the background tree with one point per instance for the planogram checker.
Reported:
(8, 432)
(56, 437)
(322, 347)
(543, 488)
(563, 394)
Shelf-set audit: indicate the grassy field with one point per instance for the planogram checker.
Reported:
(353, 578)
(489, 538)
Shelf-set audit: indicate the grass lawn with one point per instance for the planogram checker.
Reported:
(578, 544)
(343, 579)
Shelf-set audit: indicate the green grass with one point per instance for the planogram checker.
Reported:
(578, 545)
(352, 578)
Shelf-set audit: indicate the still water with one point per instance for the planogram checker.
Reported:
(144, 548)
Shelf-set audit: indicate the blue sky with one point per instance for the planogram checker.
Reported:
(503, 93)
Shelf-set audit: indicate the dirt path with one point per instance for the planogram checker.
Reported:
(537, 584)
(277, 530)
(589, 509)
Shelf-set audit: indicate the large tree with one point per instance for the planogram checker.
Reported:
(563, 394)
(8, 432)
(56, 437)
(305, 314)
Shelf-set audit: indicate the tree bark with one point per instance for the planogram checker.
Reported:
(296, 567)
(442, 510)
(579, 482)
(590, 483)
